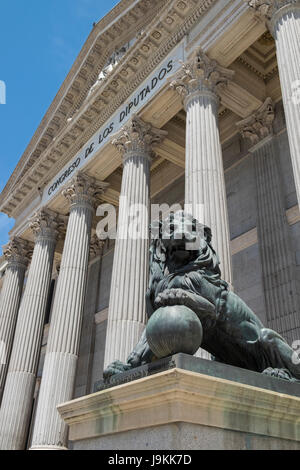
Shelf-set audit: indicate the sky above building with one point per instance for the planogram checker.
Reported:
(39, 42)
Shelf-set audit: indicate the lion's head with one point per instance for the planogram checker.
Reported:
(180, 240)
(181, 244)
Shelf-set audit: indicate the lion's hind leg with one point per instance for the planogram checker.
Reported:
(278, 356)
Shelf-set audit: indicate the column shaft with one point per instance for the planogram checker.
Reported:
(286, 32)
(205, 189)
(127, 313)
(278, 265)
(198, 82)
(9, 302)
(17, 400)
(58, 379)
(283, 20)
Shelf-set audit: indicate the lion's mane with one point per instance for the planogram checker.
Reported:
(203, 260)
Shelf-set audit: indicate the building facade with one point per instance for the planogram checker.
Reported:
(169, 102)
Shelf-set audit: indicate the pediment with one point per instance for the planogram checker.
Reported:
(118, 29)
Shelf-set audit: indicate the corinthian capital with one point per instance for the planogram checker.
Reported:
(260, 124)
(138, 136)
(46, 224)
(84, 190)
(96, 246)
(268, 8)
(17, 251)
(200, 75)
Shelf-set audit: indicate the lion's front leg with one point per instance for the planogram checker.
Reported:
(140, 355)
(198, 304)
(116, 367)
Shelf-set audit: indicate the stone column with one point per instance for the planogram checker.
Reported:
(83, 384)
(198, 82)
(16, 255)
(283, 20)
(277, 257)
(58, 378)
(16, 406)
(127, 313)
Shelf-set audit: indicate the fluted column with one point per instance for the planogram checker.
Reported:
(278, 263)
(283, 20)
(16, 255)
(19, 388)
(127, 313)
(50, 431)
(205, 194)
(83, 383)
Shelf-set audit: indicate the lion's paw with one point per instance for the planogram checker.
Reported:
(279, 373)
(171, 297)
(116, 367)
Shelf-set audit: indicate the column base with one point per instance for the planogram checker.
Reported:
(192, 407)
(48, 447)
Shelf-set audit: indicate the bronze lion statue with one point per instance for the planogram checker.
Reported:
(184, 270)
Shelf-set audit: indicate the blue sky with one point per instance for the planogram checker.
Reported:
(39, 42)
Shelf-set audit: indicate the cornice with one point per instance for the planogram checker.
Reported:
(264, 76)
(160, 37)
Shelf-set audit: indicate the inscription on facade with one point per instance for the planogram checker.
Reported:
(135, 103)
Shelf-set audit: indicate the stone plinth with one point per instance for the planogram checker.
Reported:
(218, 407)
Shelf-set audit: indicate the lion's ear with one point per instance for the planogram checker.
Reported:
(207, 234)
(157, 256)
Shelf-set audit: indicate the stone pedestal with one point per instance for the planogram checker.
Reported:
(190, 406)
(16, 255)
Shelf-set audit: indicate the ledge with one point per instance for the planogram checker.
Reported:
(179, 395)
